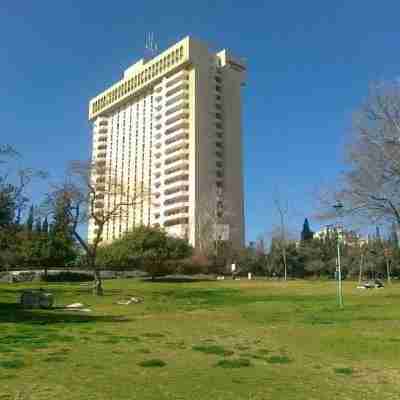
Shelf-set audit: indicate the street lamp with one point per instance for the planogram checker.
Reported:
(338, 207)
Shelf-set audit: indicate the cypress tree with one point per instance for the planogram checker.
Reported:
(306, 233)
(45, 226)
(38, 225)
(30, 220)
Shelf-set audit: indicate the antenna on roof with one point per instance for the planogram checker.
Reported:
(151, 47)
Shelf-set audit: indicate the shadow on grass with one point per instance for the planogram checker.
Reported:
(177, 279)
(14, 313)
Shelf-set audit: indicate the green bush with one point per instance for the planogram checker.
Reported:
(68, 276)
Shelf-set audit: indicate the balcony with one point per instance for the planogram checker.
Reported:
(180, 86)
(182, 211)
(176, 221)
(181, 96)
(100, 164)
(180, 106)
(175, 158)
(182, 146)
(176, 200)
(178, 77)
(102, 130)
(179, 135)
(98, 204)
(101, 155)
(174, 128)
(180, 166)
(177, 116)
(178, 178)
(176, 189)
(102, 147)
(103, 122)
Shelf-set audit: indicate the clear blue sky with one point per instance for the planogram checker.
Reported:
(309, 65)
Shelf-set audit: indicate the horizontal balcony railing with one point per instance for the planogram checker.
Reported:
(180, 106)
(180, 86)
(177, 116)
(176, 221)
(180, 166)
(177, 212)
(179, 147)
(176, 127)
(173, 159)
(178, 135)
(176, 78)
(175, 190)
(175, 200)
(178, 97)
(175, 179)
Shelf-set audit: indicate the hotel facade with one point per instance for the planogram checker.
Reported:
(172, 127)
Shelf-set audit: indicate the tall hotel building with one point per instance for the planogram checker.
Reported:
(172, 126)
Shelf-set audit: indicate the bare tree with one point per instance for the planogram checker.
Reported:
(282, 207)
(213, 225)
(371, 186)
(92, 194)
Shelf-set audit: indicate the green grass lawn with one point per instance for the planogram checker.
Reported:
(208, 340)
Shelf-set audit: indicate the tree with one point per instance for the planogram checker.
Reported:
(214, 228)
(93, 194)
(45, 226)
(38, 225)
(146, 248)
(30, 220)
(282, 207)
(306, 233)
(371, 185)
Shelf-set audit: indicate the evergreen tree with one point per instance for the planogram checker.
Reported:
(45, 226)
(306, 233)
(30, 220)
(38, 226)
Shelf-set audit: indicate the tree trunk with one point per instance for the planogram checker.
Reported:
(388, 270)
(284, 260)
(98, 284)
(361, 267)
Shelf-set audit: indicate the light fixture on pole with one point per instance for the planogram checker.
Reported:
(338, 207)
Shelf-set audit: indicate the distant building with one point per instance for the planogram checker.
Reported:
(348, 237)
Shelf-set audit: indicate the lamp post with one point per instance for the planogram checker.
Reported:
(338, 207)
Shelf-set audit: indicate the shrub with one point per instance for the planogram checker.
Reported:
(68, 276)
